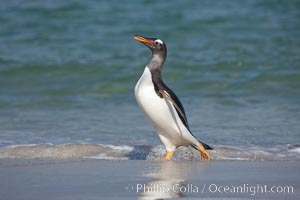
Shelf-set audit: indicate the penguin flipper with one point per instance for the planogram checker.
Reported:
(164, 92)
(178, 106)
(168, 96)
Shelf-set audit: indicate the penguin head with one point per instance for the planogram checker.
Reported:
(157, 46)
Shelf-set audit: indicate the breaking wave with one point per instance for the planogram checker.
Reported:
(126, 152)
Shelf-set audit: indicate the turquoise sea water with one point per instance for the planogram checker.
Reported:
(68, 69)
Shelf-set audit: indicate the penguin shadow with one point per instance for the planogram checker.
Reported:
(169, 181)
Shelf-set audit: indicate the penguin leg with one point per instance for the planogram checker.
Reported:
(204, 154)
(169, 155)
(169, 146)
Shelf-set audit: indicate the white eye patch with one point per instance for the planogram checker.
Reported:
(159, 41)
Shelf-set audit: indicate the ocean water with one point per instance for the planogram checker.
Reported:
(68, 69)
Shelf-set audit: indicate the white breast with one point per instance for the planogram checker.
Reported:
(160, 112)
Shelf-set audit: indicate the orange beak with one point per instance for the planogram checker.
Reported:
(143, 40)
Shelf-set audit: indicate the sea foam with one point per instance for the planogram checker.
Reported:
(127, 152)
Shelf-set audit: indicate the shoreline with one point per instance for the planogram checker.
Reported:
(69, 151)
(141, 179)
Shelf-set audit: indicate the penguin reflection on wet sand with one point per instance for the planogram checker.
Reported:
(161, 106)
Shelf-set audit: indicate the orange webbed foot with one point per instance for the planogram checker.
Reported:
(204, 154)
(168, 156)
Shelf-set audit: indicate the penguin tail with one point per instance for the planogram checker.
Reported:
(206, 146)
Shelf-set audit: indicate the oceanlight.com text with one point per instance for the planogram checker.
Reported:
(250, 189)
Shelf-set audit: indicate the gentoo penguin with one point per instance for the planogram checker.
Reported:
(161, 106)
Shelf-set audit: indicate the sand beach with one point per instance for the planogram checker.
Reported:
(133, 179)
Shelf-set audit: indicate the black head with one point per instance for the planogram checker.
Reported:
(157, 46)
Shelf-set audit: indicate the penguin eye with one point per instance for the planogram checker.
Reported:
(158, 43)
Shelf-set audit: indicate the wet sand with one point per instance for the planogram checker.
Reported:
(101, 179)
